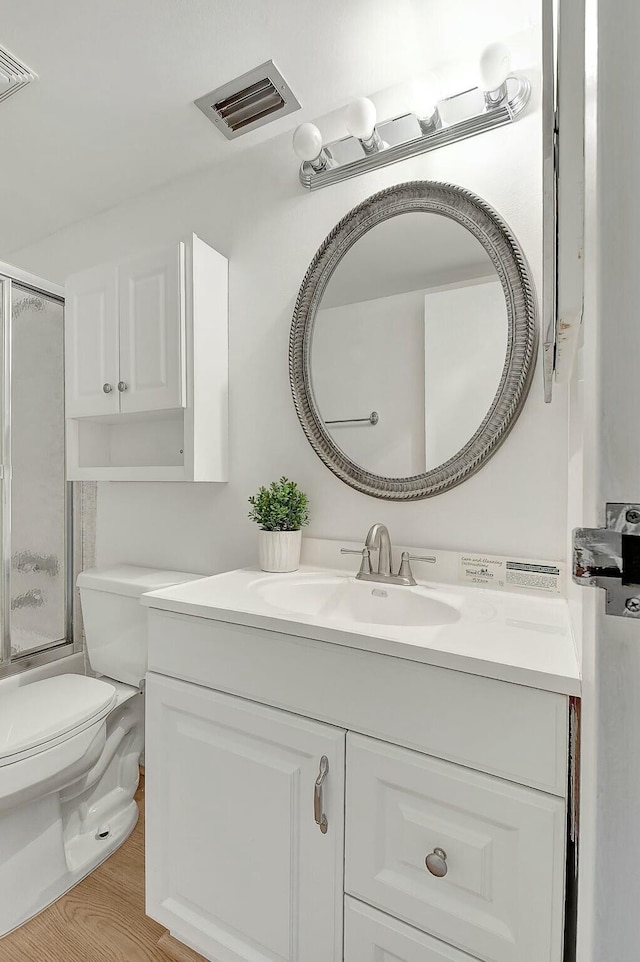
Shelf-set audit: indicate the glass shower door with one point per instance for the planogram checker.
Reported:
(37, 499)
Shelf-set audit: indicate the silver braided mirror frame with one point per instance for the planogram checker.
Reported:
(512, 268)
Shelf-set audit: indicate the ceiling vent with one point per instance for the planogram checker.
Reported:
(13, 74)
(249, 101)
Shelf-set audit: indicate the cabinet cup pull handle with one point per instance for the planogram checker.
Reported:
(436, 862)
(122, 386)
(318, 807)
(107, 388)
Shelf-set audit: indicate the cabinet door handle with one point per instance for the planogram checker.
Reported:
(436, 862)
(318, 807)
(122, 386)
(107, 388)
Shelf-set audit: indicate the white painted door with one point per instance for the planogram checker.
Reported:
(236, 863)
(152, 317)
(495, 879)
(605, 416)
(91, 342)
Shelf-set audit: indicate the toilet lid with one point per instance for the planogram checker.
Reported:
(37, 713)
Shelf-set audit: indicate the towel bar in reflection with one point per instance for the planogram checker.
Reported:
(373, 419)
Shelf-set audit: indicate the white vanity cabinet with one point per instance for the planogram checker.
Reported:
(146, 367)
(445, 797)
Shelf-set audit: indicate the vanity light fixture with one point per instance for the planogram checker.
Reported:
(432, 121)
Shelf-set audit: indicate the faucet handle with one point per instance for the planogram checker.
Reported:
(365, 553)
(430, 558)
(405, 566)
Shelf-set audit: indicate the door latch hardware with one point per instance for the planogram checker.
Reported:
(609, 558)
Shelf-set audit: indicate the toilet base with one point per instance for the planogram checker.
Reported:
(23, 904)
(50, 844)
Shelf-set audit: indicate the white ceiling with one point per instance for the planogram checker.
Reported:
(112, 115)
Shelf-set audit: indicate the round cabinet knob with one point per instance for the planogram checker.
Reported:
(122, 386)
(436, 862)
(107, 388)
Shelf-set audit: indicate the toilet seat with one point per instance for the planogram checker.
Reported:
(38, 716)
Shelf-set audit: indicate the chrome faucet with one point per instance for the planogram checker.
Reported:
(378, 539)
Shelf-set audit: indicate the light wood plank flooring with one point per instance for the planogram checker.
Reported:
(102, 919)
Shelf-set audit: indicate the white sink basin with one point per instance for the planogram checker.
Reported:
(362, 602)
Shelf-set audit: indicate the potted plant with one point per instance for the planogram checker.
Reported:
(281, 510)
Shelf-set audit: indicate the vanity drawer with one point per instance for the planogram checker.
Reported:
(371, 936)
(502, 895)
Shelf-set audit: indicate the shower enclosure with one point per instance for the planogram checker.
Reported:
(36, 521)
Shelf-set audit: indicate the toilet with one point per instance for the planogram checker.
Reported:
(70, 749)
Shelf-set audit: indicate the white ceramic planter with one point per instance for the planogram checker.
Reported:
(280, 550)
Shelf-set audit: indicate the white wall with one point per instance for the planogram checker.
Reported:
(254, 211)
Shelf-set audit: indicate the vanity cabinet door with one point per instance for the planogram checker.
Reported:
(152, 331)
(91, 342)
(236, 863)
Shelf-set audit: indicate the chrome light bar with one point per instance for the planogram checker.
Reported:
(459, 117)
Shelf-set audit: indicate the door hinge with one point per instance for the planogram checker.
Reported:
(609, 558)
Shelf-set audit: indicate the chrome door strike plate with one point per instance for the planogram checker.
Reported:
(610, 558)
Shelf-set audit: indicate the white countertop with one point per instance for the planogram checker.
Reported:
(521, 638)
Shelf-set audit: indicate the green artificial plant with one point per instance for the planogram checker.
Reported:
(280, 507)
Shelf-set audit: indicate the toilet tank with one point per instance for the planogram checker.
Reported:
(115, 623)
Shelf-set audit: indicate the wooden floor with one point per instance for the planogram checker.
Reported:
(101, 920)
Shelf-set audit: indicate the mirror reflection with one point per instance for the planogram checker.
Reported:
(409, 344)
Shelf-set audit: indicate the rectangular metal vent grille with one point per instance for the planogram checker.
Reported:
(249, 101)
(254, 102)
(13, 74)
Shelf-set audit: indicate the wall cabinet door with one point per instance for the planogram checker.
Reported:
(151, 289)
(91, 343)
(236, 863)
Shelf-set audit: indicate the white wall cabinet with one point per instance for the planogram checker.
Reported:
(237, 867)
(244, 871)
(147, 367)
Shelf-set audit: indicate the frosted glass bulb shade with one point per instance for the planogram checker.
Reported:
(307, 142)
(494, 66)
(361, 118)
(425, 95)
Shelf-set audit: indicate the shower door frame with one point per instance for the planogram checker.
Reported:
(53, 651)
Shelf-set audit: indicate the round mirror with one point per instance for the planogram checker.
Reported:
(413, 341)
